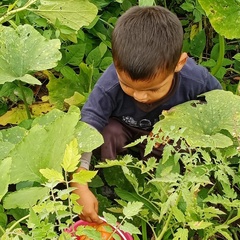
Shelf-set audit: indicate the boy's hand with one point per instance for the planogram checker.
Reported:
(89, 203)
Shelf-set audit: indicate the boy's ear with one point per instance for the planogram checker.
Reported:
(181, 62)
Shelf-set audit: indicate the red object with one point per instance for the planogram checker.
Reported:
(105, 235)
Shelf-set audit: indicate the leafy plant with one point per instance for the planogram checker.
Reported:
(192, 191)
(29, 157)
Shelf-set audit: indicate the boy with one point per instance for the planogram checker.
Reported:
(150, 74)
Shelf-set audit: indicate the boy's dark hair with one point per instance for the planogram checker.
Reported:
(147, 40)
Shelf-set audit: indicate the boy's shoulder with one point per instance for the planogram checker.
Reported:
(194, 72)
(109, 79)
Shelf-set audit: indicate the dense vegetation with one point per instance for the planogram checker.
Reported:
(55, 46)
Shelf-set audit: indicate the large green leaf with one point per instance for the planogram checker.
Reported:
(43, 147)
(202, 122)
(25, 197)
(5, 166)
(224, 16)
(23, 50)
(71, 13)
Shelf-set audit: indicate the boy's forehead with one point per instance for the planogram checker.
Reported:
(159, 77)
(151, 83)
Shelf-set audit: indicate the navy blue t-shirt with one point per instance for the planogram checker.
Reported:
(108, 99)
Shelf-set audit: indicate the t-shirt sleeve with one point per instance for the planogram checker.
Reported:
(102, 100)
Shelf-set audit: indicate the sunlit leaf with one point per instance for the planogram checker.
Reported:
(52, 175)
(23, 50)
(224, 16)
(83, 176)
(204, 120)
(132, 209)
(72, 13)
(71, 156)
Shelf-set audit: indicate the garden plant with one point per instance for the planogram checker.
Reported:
(49, 47)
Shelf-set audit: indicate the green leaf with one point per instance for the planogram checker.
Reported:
(24, 50)
(130, 228)
(181, 234)
(33, 220)
(203, 121)
(224, 16)
(5, 167)
(52, 175)
(178, 214)
(146, 2)
(83, 176)
(88, 137)
(43, 146)
(133, 197)
(199, 225)
(132, 209)
(25, 198)
(71, 13)
(71, 157)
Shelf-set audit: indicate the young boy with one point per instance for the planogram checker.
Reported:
(150, 74)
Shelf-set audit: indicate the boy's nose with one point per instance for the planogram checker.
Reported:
(140, 96)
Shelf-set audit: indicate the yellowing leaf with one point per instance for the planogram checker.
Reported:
(38, 109)
(77, 99)
(14, 116)
(83, 176)
(52, 175)
(71, 156)
(199, 225)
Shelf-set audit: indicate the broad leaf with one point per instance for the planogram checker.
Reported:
(71, 13)
(25, 198)
(5, 166)
(24, 50)
(224, 16)
(43, 146)
(88, 137)
(203, 121)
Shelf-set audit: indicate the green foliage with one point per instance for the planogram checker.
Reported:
(192, 192)
(46, 164)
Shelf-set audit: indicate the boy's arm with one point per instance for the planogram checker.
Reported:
(87, 198)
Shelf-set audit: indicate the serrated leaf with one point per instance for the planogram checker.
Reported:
(83, 176)
(199, 225)
(52, 175)
(23, 50)
(178, 214)
(128, 196)
(132, 209)
(130, 228)
(181, 234)
(71, 157)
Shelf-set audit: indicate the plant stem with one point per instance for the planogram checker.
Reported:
(69, 200)
(220, 56)
(12, 12)
(17, 222)
(144, 230)
(24, 100)
(165, 228)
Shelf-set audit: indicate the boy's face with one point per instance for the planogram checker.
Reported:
(148, 90)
